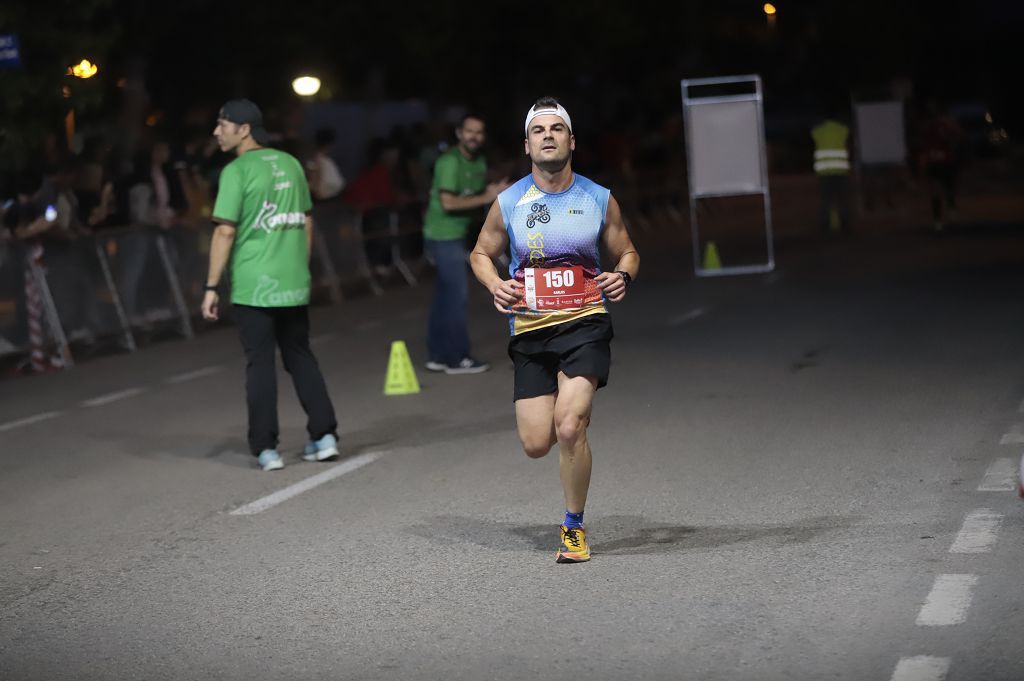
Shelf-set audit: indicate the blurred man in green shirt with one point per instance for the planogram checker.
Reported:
(458, 191)
(264, 228)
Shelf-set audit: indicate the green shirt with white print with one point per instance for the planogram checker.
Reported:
(263, 193)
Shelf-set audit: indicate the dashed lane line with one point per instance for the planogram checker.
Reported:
(112, 397)
(921, 668)
(948, 602)
(978, 533)
(27, 421)
(192, 375)
(1014, 436)
(679, 320)
(309, 483)
(322, 338)
(1001, 476)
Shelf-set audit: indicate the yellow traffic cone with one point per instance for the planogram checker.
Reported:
(711, 259)
(401, 378)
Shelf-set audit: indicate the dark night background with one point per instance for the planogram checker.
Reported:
(806, 461)
(609, 61)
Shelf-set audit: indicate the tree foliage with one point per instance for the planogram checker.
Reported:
(53, 34)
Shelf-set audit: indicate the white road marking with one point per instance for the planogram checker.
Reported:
(1001, 476)
(679, 320)
(190, 375)
(979, 532)
(27, 421)
(948, 601)
(322, 338)
(309, 483)
(1014, 436)
(112, 397)
(921, 668)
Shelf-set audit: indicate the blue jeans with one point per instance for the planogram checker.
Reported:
(447, 337)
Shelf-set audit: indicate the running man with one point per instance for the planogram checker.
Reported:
(264, 227)
(556, 299)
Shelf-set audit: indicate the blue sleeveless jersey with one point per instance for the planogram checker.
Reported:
(551, 233)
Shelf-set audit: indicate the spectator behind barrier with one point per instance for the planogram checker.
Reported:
(24, 220)
(94, 185)
(68, 255)
(373, 193)
(156, 197)
(325, 180)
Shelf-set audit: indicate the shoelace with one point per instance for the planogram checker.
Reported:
(572, 536)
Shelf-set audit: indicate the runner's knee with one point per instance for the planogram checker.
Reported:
(536, 447)
(569, 427)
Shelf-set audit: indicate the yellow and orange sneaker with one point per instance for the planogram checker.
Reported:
(574, 548)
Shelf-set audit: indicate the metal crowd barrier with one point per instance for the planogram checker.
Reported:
(106, 289)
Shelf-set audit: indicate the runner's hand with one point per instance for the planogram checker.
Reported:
(211, 302)
(612, 284)
(507, 293)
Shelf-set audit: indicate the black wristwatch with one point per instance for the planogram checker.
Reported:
(209, 288)
(626, 279)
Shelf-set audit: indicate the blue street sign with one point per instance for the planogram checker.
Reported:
(10, 52)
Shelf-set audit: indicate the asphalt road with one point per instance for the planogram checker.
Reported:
(786, 486)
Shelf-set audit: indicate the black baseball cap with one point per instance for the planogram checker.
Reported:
(242, 111)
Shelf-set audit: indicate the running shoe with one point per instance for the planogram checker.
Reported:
(435, 366)
(574, 548)
(270, 460)
(321, 450)
(468, 365)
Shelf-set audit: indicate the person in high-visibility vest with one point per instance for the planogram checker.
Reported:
(832, 166)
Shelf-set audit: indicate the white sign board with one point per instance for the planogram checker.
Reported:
(725, 147)
(880, 136)
(725, 157)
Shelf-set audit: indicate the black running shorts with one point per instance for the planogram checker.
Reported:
(578, 348)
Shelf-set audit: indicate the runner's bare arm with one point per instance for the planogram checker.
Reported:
(621, 249)
(491, 244)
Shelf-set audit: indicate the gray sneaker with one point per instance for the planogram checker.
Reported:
(434, 366)
(468, 365)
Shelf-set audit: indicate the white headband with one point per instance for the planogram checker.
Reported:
(559, 111)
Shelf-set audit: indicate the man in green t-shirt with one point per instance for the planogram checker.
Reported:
(459, 189)
(264, 228)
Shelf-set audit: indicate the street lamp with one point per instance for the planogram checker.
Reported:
(306, 86)
(769, 9)
(83, 69)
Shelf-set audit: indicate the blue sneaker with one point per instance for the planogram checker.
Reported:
(270, 460)
(321, 450)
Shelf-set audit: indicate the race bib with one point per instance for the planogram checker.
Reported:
(554, 288)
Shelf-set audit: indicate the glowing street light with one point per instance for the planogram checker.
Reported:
(769, 9)
(84, 69)
(306, 86)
